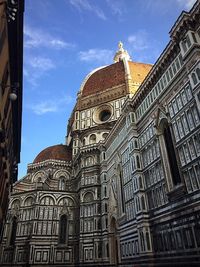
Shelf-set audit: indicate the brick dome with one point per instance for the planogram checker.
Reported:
(57, 152)
(113, 75)
(104, 78)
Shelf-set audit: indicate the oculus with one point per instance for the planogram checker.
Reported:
(102, 114)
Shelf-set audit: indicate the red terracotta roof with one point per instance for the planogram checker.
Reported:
(139, 71)
(57, 152)
(102, 79)
(114, 75)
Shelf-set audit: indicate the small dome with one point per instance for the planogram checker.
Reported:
(57, 152)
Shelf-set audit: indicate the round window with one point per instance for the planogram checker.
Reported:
(104, 115)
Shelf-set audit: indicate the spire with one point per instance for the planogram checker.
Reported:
(121, 53)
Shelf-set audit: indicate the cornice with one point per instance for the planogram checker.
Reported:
(89, 148)
(105, 96)
(156, 72)
(186, 20)
(107, 126)
(183, 22)
(49, 163)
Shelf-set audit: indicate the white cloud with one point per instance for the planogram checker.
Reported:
(117, 7)
(164, 7)
(51, 106)
(101, 56)
(84, 5)
(41, 63)
(35, 67)
(34, 38)
(142, 48)
(139, 40)
(32, 77)
(44, 107)
(187, 4)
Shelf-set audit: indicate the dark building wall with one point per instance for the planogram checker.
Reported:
(136, 192)
(11, 58)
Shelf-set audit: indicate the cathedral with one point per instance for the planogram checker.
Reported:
(124, 190)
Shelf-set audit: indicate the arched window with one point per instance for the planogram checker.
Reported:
(171, 155)
(194, 78)
(138, 204)
(47, 200)
(99, 208)
(104, 135)
(28, 202)
(106, 207)
(99, 250)
(93, 139)
(15, 204)
(198, 73)
(138, 161)
(140, 182)
(13, 231)
(121, 188)
(105, 191)
(88, 197)
(84, 142)
(133, 163)
(148, 241)
(107, 250)
(63, 229)
(89, 161)
(99, 224)
(143, 202)
(136, 144)
(184, 46)
(142, 241)
(62, 183)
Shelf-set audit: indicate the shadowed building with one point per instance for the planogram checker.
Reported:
(124, 189)
(11, 55)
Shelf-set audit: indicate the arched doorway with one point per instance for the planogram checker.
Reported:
(114, 246)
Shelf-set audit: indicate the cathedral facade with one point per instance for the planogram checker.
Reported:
(125, 188)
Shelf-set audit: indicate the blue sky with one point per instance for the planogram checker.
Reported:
(65, 39)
